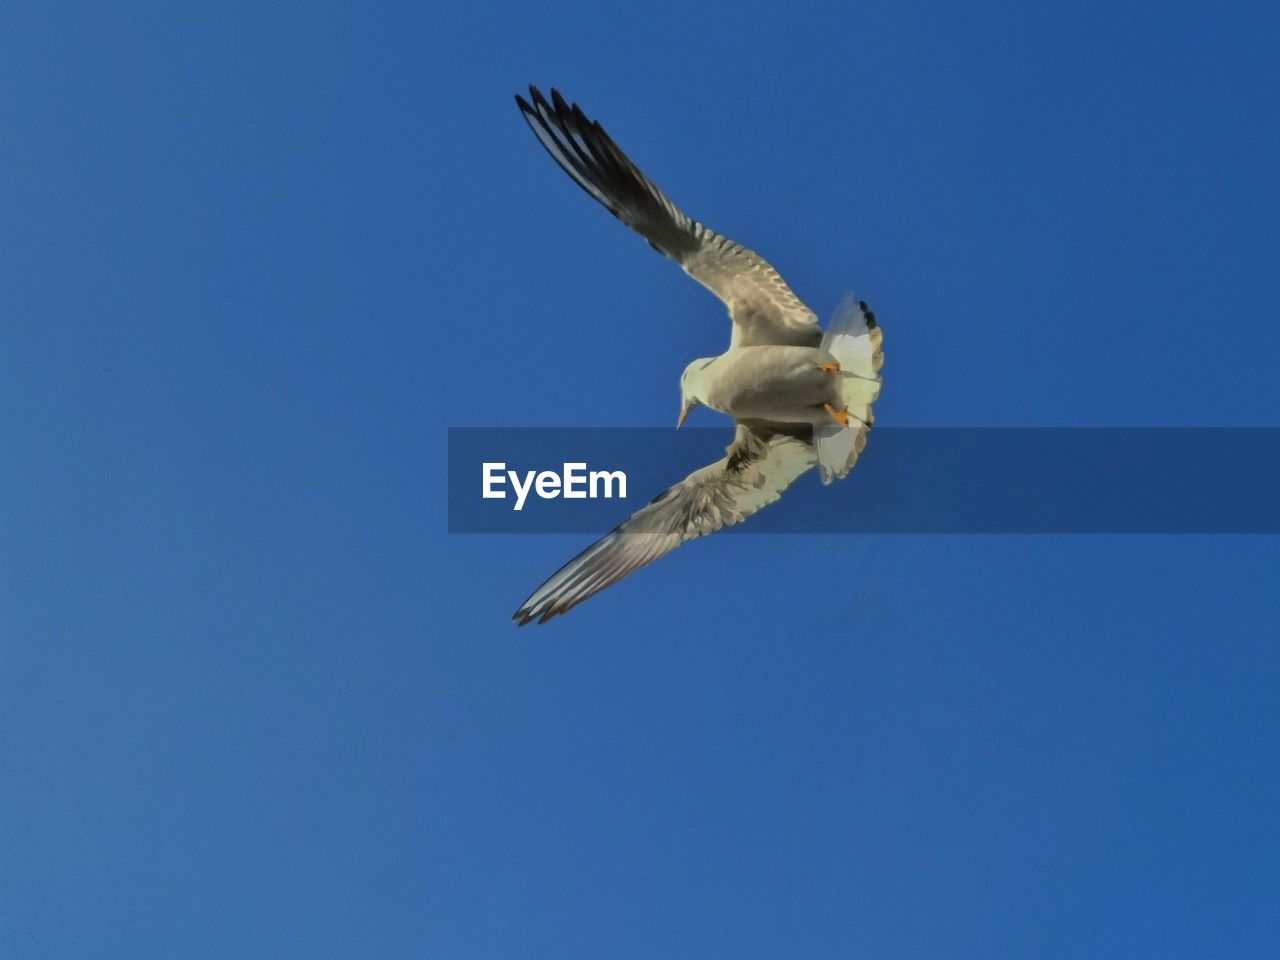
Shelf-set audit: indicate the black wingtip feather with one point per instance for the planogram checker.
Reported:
(586, 152)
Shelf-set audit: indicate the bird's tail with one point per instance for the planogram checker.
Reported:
(854, 340)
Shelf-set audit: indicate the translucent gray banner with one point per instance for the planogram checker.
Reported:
(909, 480)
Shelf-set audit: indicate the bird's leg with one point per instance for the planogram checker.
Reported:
(831, 367)
(839, 416)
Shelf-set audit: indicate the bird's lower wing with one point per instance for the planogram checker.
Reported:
(763, 308)
(758, 466)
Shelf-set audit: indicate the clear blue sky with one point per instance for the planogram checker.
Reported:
(254, 702)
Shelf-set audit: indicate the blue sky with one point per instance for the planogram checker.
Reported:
(254, 701)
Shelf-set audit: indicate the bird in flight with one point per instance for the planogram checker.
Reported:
(800, 396)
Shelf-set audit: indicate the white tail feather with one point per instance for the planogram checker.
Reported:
(854, 340)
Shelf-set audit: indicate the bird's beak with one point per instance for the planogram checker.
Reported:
(684, 412)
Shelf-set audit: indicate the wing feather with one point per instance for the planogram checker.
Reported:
(758, 466)
(763, 308)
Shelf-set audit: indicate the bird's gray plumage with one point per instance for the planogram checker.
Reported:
(766, 456)
(763, 460)
(762, 306)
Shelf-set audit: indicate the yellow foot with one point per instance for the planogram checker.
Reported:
(839, 416)
(831, 367)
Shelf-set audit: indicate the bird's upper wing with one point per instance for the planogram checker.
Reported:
(763, 460)
(762, 306)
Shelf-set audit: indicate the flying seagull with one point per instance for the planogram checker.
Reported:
(800, 396)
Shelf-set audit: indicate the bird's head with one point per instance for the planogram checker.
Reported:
(692, 384)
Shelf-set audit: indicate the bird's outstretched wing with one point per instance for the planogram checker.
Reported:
(763, 460)
(762, 306)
